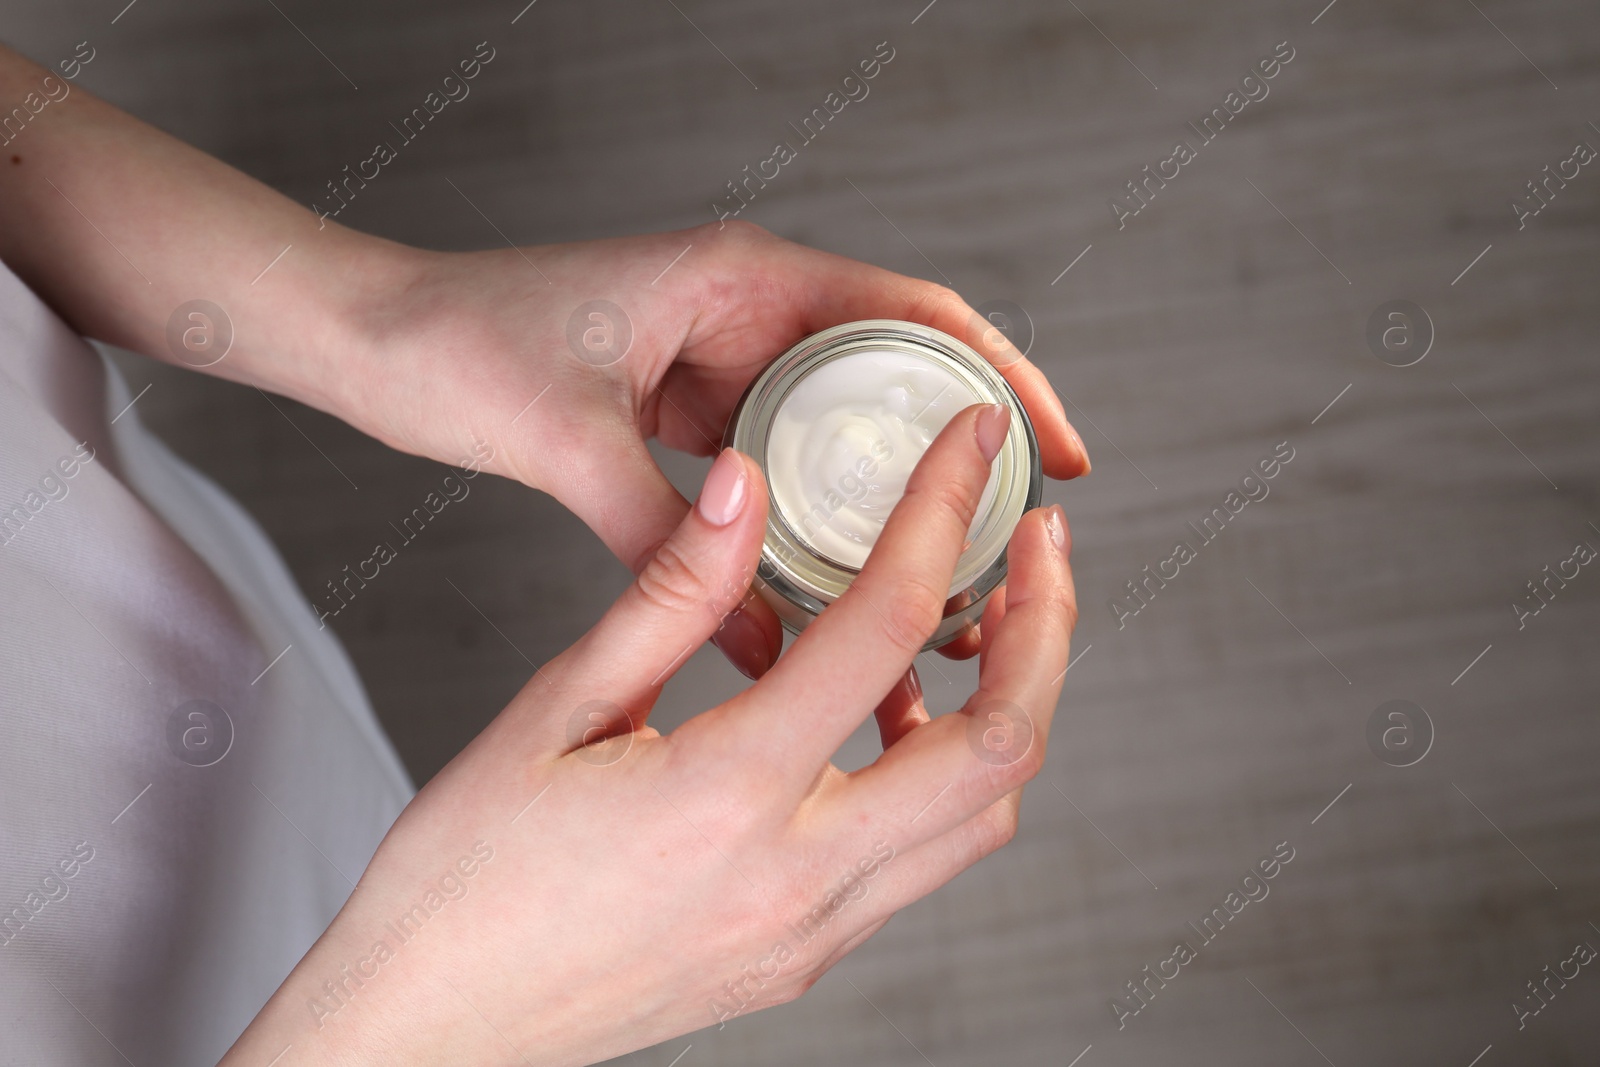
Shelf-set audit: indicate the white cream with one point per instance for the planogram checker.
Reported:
(844, 441)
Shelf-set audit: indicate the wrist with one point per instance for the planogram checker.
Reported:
(334, 1013)
(355, 292)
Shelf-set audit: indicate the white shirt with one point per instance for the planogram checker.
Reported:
(160, 872)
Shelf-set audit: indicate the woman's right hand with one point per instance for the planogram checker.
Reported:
(575, 885)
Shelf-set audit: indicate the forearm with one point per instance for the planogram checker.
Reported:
(117, 224)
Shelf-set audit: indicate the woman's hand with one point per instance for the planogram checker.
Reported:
(559, 362)
(465, 357)
(575, 885)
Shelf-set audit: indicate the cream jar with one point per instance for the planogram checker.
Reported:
(837, 423)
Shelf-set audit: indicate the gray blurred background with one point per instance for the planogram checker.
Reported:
(1223, 319)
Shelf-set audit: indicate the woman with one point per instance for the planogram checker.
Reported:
(194, 782)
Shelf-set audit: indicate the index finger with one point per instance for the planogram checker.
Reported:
(842, 290)
(844, 662)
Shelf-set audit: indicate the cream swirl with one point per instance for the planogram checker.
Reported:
(843, 443)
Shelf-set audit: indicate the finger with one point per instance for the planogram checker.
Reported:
(680, 422)
(993, 612)
(678, 600)
(997, 742)
(915, 870)
(689, 410)
(750, 636)
(1061, 449)
(851, 945)
(842, 290)
(964, 645)
(845, 661)
(901, 711)
(620, 492)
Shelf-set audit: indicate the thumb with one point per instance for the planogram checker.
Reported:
(621, 494)
(699, 574)
(613, 484)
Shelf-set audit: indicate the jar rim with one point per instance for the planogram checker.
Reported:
(799, 573)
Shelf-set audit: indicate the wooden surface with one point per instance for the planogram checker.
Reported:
(1221, 321)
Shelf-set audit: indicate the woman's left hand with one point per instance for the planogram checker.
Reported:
(554, 364)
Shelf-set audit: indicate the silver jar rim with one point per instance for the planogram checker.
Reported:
(794, 577)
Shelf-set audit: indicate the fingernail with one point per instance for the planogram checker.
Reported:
(723, 495)
(993, 421)
(1082, 451)
(744, 642)
(1057, 522)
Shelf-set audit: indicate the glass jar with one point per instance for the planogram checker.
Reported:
(836, 424)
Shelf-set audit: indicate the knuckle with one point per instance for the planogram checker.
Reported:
(1061, 616)
(1069, 612)
(1052, 615)
(954, 497)
(1016, 769)
(1054, 612)
(669, 582)
(797, 987)
(738, 230)
(1029, 764)
(995, 828)
(937, 297)
(912, 613)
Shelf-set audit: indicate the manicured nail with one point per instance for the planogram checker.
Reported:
(744, 642)
(723, 495)
(1082, 451)
(993, 421)
(1057, 522)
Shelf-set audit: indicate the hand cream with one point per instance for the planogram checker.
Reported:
(837, 424)
(845, 439)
